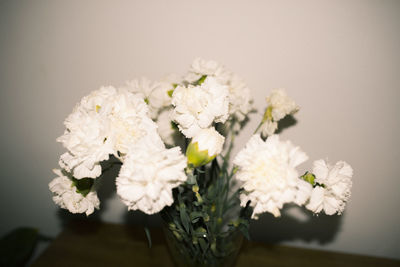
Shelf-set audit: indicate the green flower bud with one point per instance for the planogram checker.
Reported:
(309, 177)
(204, 147)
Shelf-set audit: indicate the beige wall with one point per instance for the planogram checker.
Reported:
(339, 59)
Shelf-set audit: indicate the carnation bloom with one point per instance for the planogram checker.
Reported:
(197, 107)
(268, 128)
(66, 195)
(201, 67)
(86, 134)
(154, 93)
(107, 121)
(268, 172)
(167, 130)
(279, 105)
(240, 102)
(148, 175)
(332, 190)
(204, 147)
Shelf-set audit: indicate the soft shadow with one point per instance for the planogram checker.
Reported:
(138, 218)
(286, 122)
(321, 228)
(105, 190)
(135, 223)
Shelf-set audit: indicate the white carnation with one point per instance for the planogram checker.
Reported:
(333, 187)
(154, 93)
(168, 132)
(107, 121)
(197, 107)
(268, 128)
(209, 140)
(130, 121)
(212, 68)
(268, 172)
(204, 147)
(281, 104)
(66, 196)
(148, 175)
(85, 137)
(303, 193)
(240, 102)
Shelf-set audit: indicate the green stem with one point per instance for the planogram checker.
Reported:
(258, 127)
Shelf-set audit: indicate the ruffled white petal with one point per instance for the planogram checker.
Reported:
(107, 121)
(66, 196)
(268, 172)
(197, 107)
(148, 175)
(333, 187)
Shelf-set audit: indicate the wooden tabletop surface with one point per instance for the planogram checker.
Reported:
(87, 243)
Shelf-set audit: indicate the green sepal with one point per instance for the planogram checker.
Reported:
(184, 218)
(309, 177)
(83, 186)
(197, 157)
(174, 126)
(201, 80)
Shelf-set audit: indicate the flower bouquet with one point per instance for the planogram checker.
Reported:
(173, 139)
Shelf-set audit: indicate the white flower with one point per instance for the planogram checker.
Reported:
(240, 102)
(66, 196)
(197, 107)
(201, 67)
(130, 121)
(268, 170)
(204, 147)
(205, 67)
(303, 193)
(155, 94)
(333, 185)
(268, 128)
(281, 104)
(148, 175)
(107, 121)
(168, 131)
(86, 134)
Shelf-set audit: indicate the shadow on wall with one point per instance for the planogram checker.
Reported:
(105, 191)
(267, 228)
(321, 228)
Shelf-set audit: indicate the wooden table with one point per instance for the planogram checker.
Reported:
(87, 243)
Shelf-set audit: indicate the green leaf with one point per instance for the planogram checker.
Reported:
(245, 231)
(214, 249)
(184, 218)
(203, 245)
(195, 220)
(195, 215)
(17, 246)
(83, 185)
(148, 236)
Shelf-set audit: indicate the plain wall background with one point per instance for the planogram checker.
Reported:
(339, 60)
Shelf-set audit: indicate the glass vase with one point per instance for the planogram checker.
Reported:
(200, 252)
